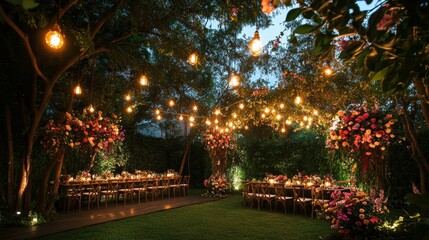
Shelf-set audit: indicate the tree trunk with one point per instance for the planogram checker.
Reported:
(416, 152)
(41, 200)
(56, 186)
(11, 159)
(92, 163)
(423, 97)
(188, 142)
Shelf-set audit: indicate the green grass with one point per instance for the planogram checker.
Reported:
(223, 219)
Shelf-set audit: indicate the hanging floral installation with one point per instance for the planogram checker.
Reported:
(364, 134)
(90, 134)
(218, 144)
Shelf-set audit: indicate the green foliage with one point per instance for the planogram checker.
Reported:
(302, 151)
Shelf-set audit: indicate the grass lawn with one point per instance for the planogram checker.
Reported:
(223, 219)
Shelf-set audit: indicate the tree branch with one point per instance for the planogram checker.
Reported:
(122, 37)
(106, 17)
(24, 37)
(63, 10)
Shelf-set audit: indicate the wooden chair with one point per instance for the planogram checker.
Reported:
(300, 199)
(265, 196)
(247, 194)
(281, 196)
(127, 190)
(111, 190)
(175, 187)
(74, 194)
(164, 187)
(318, 199)
(141, 187)
(153, 188)
(185, 184)
(92, 193)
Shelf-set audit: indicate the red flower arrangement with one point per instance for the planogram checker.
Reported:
(361, 130)
(92, 133)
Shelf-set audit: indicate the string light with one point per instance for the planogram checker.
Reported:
(282, 106)
(216, 121)
(263, 115)
(288, 122)
(255, 45)
(278, 117)
(78, 90)
(298, 100)
(157, 112)
(328, 70)
(234, 115)
(283, 130)
(266, 110)
(315, 112)
(159, 117)
(241, 105)
(128, 97)
(143, 80)
(234, 80)
(129, 109)
(193, 59)
(54, 38)
(195, 108)
(191, 124)
(217, 112)
(246, 127)
(171, 103)
(208, 122)
(91, 108)
(191, 119)
(180, 118)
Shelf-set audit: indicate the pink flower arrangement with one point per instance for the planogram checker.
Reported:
(90, 134)
(354, 213)
(361, 130)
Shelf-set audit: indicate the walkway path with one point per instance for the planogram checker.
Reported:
(72, 220)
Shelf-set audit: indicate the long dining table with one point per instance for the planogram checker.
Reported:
(76, 190)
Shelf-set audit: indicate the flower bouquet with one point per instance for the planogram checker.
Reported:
(217, 186)
(354, 214)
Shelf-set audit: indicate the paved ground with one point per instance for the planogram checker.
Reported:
(72, 220)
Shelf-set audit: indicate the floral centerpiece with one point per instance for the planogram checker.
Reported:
(83, 176)
(217, 186)
(355, 213)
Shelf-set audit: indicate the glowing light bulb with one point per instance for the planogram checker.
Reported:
(193, 59)
(315, 112)
(288, 122)
(208, 122)
(278, 117)
(54, 38)
(298, 100)
(91, 108)
(128, 97)
(181, 118)
(241, 105)
(328, 71)
(191, 119)
(234, 115)
(283, 130)
(157, 112)
(216, 121)
(255, 45)
(305, 118)
(263, 115)
(78, 90)
(195, 108)
(171, 103)
(191, 124)
(234, 80)
(159, 117)
(143, 80)
(129, 109)
(217, 112)
(246, 127)
(266, 110)
(282, 106)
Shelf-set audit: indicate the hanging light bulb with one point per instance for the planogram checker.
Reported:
(195, 108)
(282, 105)
(91, 108)
(328, 70)
(143, 80)
(266, 110)
(288, 122)
(208, 123)
(181, 118)
(171, 103)
(78, 90)
(298, 100)
(157, 112)
(283, 130)
(191, 119)
(234, 115)
(127, 97)
(193, 59)
(255, 45)
(129, 109)
(315, 112)
(278, 117)
(217, 112)
(234, 80)
(241, 106)
(216, 121)
(159, 117)
(54, 38)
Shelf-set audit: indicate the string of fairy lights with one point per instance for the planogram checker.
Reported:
(221, 118)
